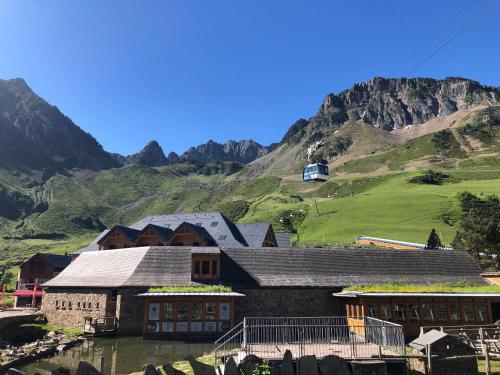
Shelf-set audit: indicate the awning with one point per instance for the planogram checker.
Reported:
(26, 293)
(190, 294)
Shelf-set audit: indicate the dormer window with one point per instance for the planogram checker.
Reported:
(199, 224)
(213, 224)
(205, 267)
(222, 237)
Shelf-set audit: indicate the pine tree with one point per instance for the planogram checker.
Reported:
(434, 242)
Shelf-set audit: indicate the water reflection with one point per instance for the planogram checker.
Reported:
(121, 355)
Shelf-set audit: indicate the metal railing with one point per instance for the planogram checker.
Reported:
(269, 338)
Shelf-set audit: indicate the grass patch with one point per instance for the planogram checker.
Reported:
(184, 366)
(69, 332)
(402, 287)
(192, 289)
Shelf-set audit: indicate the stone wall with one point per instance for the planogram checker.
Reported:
(130, 308)
(286, 302)
(130, 311)
(69, 307)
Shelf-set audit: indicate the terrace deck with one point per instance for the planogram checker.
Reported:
(274, 352)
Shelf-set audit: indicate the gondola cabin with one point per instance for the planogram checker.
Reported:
(315, 172)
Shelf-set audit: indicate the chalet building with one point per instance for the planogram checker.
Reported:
(197, 229)
(37, 270)
(263, 281)
(415, 310)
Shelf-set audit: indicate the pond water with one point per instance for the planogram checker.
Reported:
(122, 355)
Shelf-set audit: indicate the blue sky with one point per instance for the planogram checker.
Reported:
(186, 71)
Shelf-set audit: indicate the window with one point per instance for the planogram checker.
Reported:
(196, 244)
(386, 311)
(167, 225)
(111, 247)
(210, 311)
(442, 312)
(469, 312)
(414, 312)
(455, 314)
(168, 311)
(78, 305)
(62, 303)
(199, 224)
(205, 267)
(97, 306)
(482, 312)
(69, 304)
(399, 312)
(89, 305)
(427, 312)
(178, 243)
(84, 305)
(222, 237)
(182, 317)
(57, 303)
(213, 224)
(371, 310)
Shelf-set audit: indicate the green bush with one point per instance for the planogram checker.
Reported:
(430, 178)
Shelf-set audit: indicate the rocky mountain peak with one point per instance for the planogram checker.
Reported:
(36, 135)
(151, 155)
(393, 103)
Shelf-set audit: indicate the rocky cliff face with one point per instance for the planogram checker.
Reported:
(211, 152)
(395, 103)
(208, 153)
(36, 135)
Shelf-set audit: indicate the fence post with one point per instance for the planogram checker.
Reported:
(244, 343)
(429, 361)
(484, 347)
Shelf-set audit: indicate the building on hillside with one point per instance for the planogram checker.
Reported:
(196, 229)
(263, 282)
(492, 277)
(393, 244)
(35, 271)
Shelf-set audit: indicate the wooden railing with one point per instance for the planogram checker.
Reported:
(101, 326)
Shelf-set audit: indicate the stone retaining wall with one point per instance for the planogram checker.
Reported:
(266, 302)
(69, 307)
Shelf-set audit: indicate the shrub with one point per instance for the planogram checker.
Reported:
(430, 178)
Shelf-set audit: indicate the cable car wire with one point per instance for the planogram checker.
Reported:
(439, 33)
(468, 20)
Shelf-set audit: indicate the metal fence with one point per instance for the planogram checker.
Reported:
(269, 338)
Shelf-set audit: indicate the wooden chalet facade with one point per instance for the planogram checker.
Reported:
(416, 310)
(37, 270)
(200, 229)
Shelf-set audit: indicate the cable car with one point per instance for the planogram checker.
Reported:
(315, 172)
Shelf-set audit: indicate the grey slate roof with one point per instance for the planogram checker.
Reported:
(93, 246)
(59, 262)
(343, 267)
(166, 233)
(254, 233)
(130, 233)
(283, 239)
(428, 338)
(270, 267)
(224, 227)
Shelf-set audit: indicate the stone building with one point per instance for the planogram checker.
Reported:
(263, 281)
